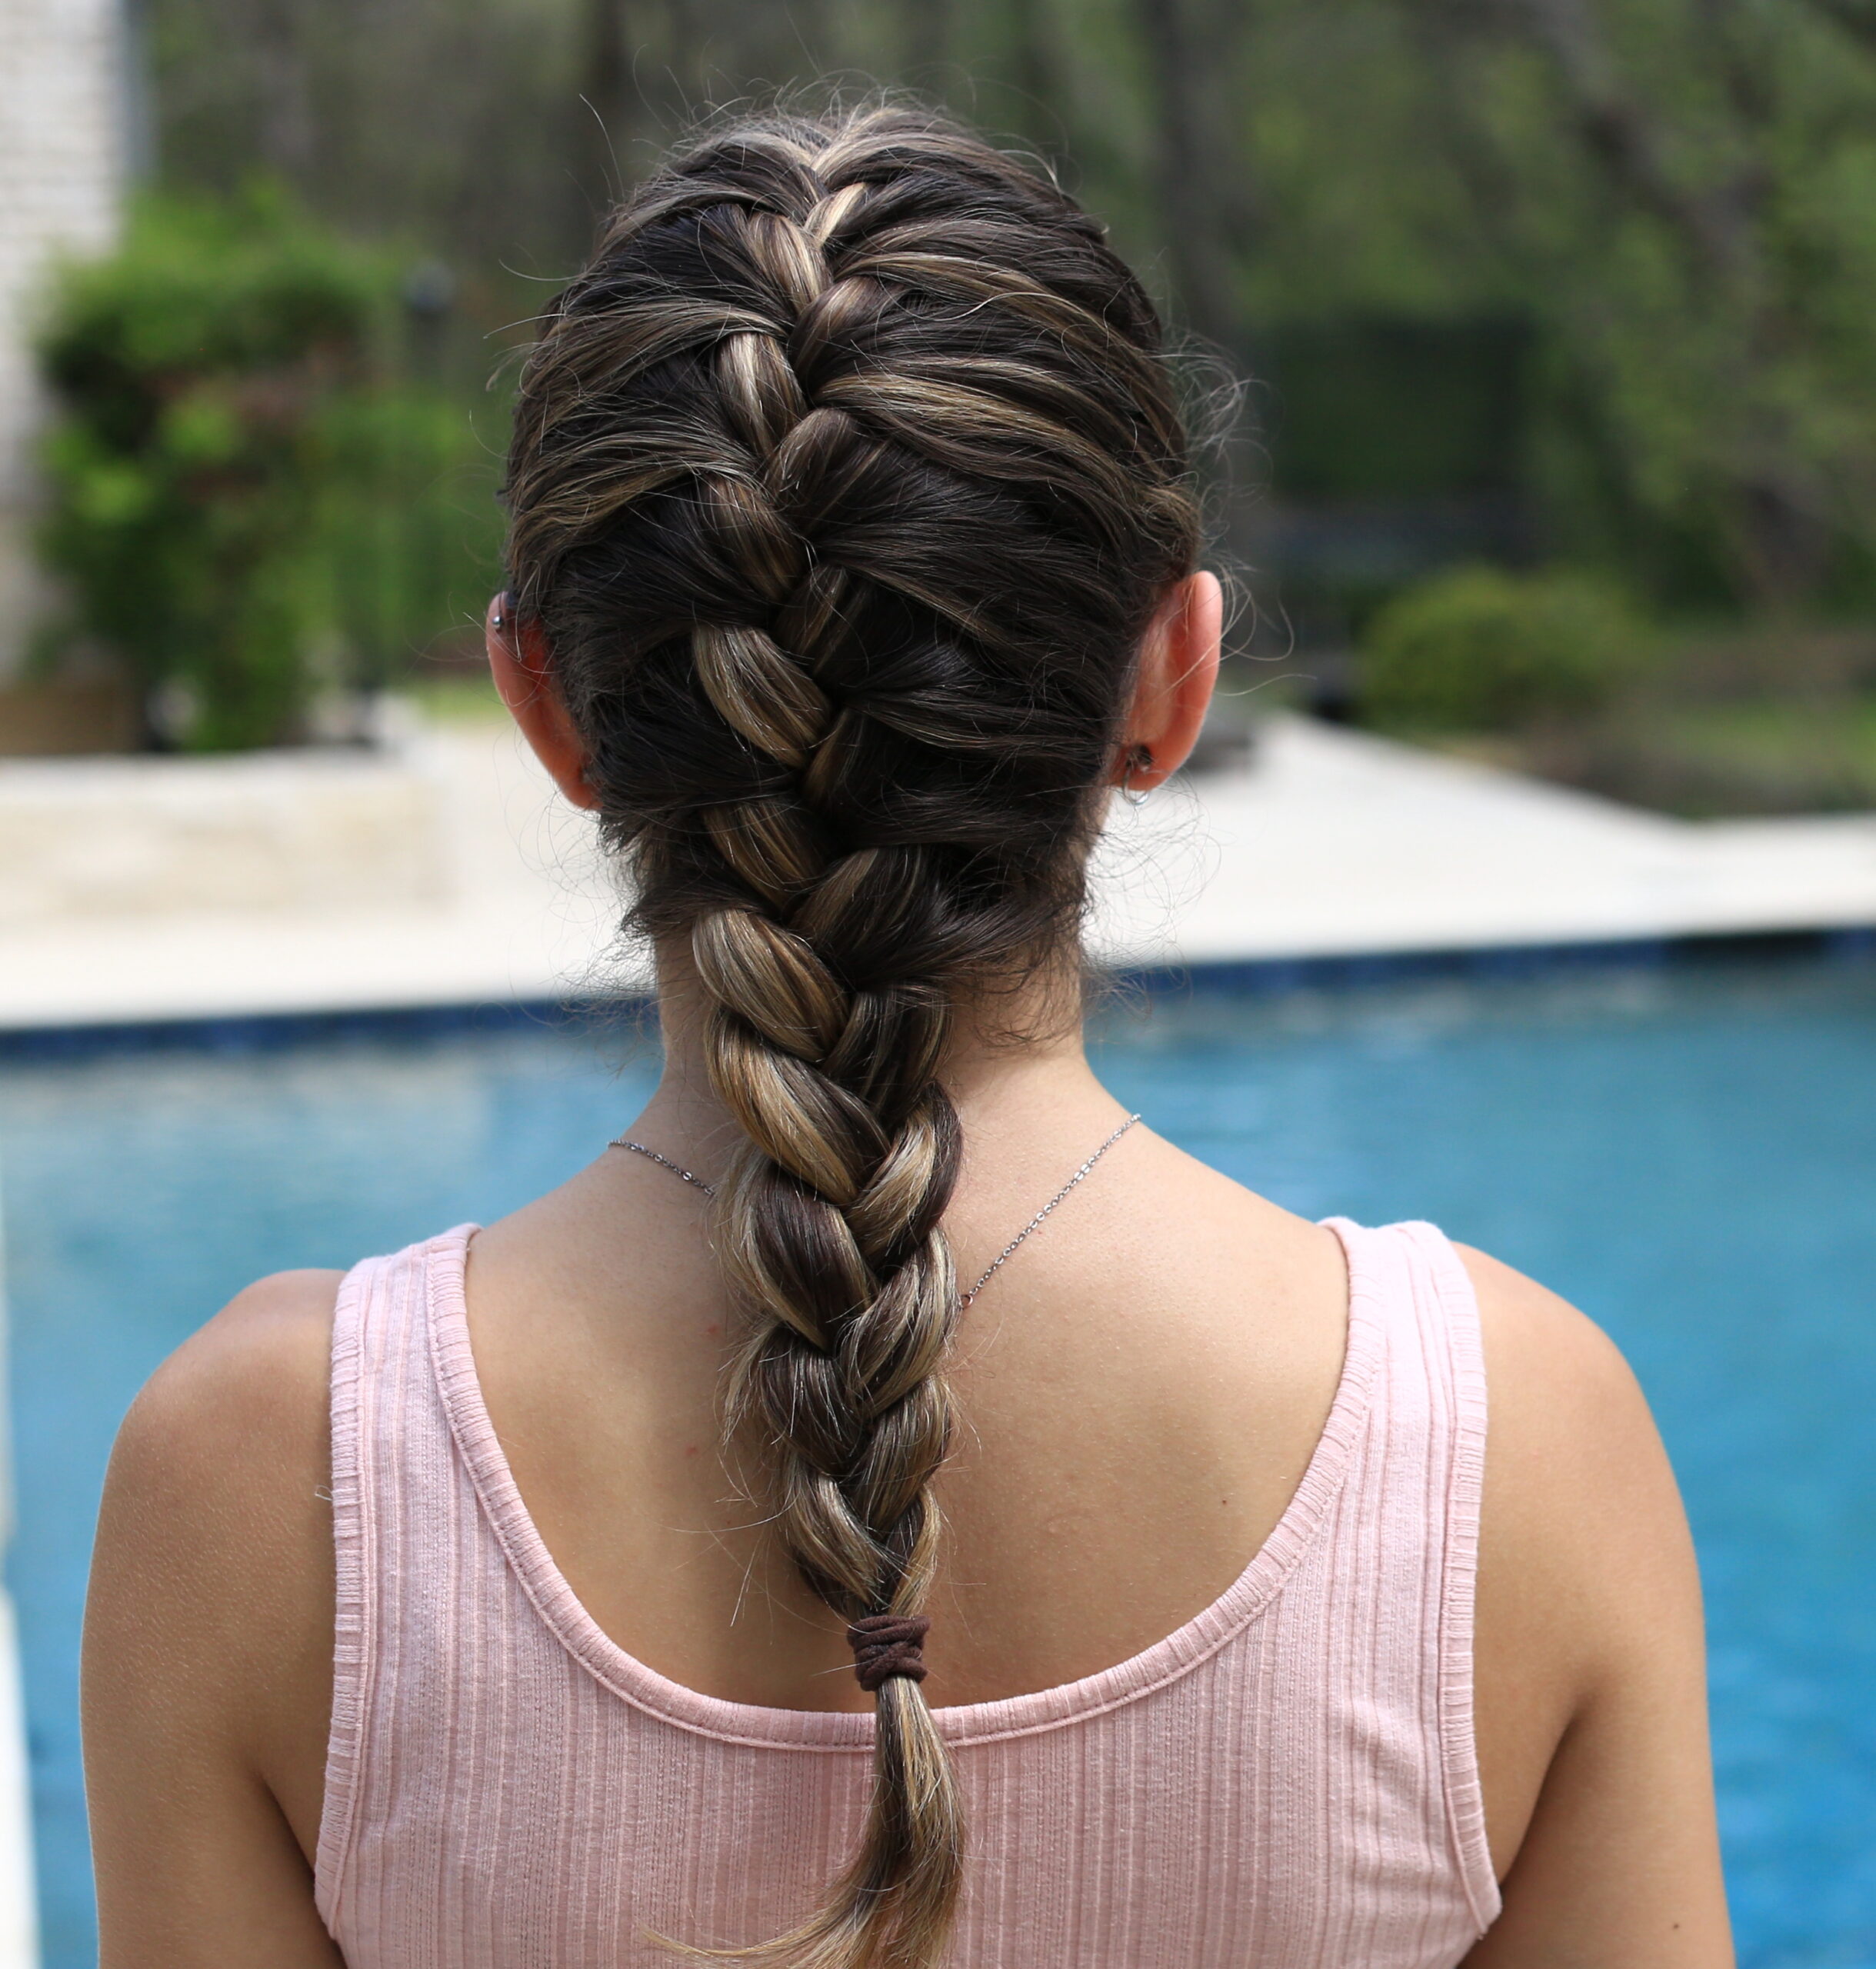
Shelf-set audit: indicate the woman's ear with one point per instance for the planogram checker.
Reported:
(518, 660)
(1178, 670)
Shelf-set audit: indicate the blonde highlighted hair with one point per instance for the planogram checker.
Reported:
(845, 481)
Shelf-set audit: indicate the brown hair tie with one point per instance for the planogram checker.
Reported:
(888, 1644)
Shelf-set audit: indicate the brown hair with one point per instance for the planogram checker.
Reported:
(845, 482)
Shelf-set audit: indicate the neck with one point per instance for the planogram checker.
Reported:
(1016, 1058)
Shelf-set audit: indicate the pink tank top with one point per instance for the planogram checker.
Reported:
(1288, 1781)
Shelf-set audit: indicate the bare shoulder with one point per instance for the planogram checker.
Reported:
(215, 1535)
(235, 1419)
(207, 1686)
(1575, 1456)
(1589, 1685)
(252, 1366)
(229, 1439)
(1523, 1315)
(1552, 1369)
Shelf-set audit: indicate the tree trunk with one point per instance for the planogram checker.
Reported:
(924, 36)
(289, 137)
(1774, 502)
(1617, 129)
(1190, 160)
(1857, 17)
(1035, 68)
(598, 119)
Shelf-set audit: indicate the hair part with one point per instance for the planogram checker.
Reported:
(845, 481)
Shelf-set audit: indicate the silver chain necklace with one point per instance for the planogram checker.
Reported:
(996, 1264)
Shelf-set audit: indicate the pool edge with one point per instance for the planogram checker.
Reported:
(19, 1939)
(264, 1030)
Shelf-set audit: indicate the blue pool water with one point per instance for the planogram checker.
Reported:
(1689, 1153)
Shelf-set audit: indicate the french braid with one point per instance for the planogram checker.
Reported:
(844, 482)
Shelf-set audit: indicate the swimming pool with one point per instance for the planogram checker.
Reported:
(1689, 1151)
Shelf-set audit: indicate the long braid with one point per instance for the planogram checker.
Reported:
(853, 1144)
(857, 788)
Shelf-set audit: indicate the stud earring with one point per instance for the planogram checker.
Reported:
(1139, 760)
(498, 621)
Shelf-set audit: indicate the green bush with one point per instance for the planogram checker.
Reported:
(246, 505)
(1483, 649)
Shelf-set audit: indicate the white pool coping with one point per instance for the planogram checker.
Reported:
(1328, 844)
(19, 1928)
(1337, 844)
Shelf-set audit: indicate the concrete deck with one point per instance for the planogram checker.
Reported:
(1332, 843)
(448, 873)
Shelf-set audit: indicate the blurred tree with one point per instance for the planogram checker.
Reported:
(1669, 205)
(1199, 175)
(1694, 183)
(194, 368)
(251, 504)
(1856, 17)
(606, 76)
(925, 36)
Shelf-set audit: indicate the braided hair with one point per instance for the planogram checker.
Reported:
(845, 481)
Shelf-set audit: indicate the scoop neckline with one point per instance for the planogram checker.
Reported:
(1194, 1642)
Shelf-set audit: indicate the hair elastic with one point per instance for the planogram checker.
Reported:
(888, 1644)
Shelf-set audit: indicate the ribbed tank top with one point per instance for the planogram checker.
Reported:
(1288, 1782)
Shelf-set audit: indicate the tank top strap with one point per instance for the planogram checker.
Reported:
(1429, 1468)
(396, 1482)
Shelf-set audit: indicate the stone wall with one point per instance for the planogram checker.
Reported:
(62, 144)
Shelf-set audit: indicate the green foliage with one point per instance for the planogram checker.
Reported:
(1480, 649)
(408, 524)
(1675, 199)
(196, 368)
(1394, 408)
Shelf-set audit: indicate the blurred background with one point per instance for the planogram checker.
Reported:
(1559, 438)
(1525, 880)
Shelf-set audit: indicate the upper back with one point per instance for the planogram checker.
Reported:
(1138, 1393)
(1106, 1625)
